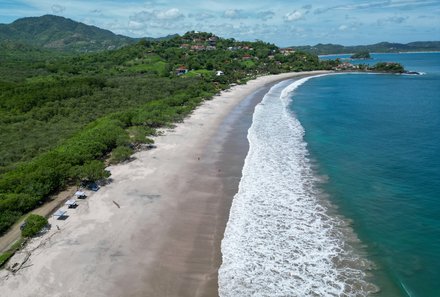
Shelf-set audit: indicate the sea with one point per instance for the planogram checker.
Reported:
(340, 190)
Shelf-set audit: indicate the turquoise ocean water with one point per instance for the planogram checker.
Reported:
(340, 189)
(377, 140)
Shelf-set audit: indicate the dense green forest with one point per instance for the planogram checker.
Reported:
(389, 67)
(361, 55)
(63, 34)
(56, 32)
(62, 115)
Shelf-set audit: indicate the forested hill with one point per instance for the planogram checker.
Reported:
(55, 32)
(382, 47)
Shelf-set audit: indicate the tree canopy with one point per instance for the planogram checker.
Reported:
(62, 115)
(361, 55)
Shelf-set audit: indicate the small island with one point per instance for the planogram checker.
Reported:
(389, 67)
(361, 56)
(381, 67)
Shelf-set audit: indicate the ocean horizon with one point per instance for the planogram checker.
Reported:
(339, 193)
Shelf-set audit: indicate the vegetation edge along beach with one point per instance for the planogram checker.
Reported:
(173, 206)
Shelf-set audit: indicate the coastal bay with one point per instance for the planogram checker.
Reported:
(284, 149)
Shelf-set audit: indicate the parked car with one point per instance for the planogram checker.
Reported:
(92, 186)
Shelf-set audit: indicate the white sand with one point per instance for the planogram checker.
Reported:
(162, 241)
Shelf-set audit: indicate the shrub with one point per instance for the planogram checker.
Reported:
(33, 224)
(5, 257)
(16, 202)
(7, 219)
(91, 171)
(120, 154)
(138, 134)
(389, 67)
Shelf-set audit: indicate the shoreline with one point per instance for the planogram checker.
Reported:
(279, 199)
(164, 237)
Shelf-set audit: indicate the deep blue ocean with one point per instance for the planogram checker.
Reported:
(376, 139)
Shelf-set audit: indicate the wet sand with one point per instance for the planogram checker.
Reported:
(156, 229)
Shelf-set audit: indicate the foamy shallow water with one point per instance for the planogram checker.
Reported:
(280, 240)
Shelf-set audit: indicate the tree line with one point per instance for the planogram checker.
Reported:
(62, 116)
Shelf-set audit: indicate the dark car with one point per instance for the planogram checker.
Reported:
(92, 186)
(23, 225)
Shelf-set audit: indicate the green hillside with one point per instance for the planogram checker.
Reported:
(55, 32)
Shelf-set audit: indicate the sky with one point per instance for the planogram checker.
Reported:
(283, 22)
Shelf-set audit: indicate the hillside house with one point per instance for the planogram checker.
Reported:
(346, 66)
(212, 41)
(287, 51)
(181, 70)
(198, 47)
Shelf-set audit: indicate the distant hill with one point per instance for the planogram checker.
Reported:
(382, 47)
(55, 32)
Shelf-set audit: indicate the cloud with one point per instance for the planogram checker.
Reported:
(235, 14)
(135, 25)
(156, 22)
(397, 20)
(274, 21)
(350, 26)
(265, 15)
(380, 4)
(246, 31)
(321, 10)
(293, 16)
(383, 4)
(58, 8)
(349, 17)
(144, 16)
(412, 4)
(360, 6)
(169, 14)
(201, 16)
(393, 19)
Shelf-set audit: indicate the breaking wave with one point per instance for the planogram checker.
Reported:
(280, 239)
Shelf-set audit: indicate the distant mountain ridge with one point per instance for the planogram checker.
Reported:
(60, 33)
(55, 32)
(382, 47)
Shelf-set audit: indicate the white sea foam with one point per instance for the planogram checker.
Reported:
(280, 240)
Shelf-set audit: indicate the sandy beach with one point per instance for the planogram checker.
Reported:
(156, 229)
